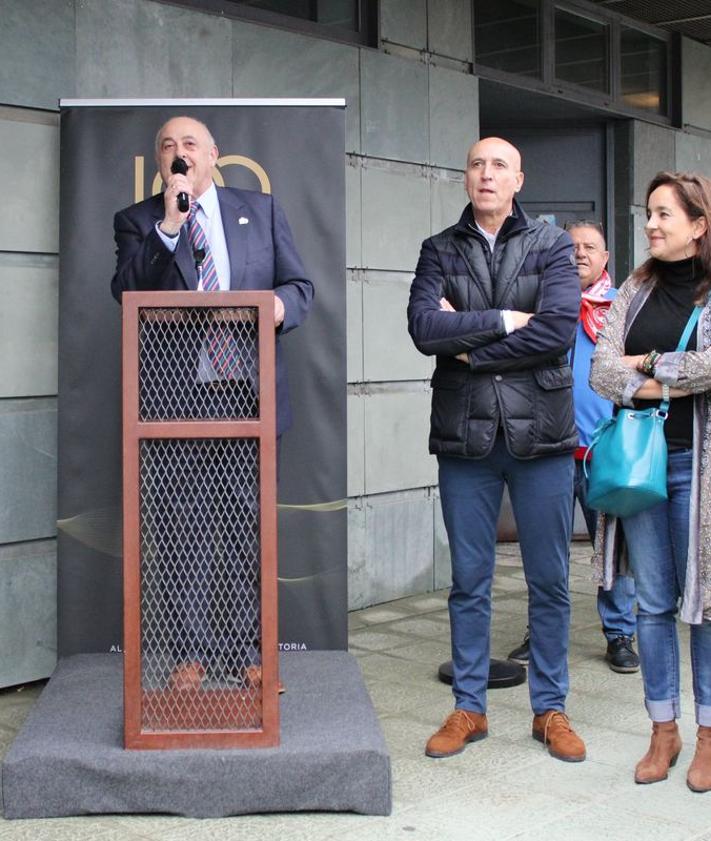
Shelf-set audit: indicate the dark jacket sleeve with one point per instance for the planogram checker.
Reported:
(435, 331)
(551, 330)
(143, 263)
(290, 282)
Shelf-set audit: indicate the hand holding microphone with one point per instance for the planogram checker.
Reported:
(179, 167)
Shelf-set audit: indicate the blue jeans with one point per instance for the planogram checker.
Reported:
(658, 541)
(542, 501)
(615, 606)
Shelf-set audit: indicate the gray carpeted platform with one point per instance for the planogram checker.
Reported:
(68, 759)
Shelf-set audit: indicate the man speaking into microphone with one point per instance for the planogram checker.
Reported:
(197, 236)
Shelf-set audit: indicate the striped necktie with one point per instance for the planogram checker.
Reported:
(207, 273)
(222, 348)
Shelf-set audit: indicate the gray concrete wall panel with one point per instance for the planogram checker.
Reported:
(130, 48)
(454, 116)
(448, 199)
(398, 560)
(394, 107)
(396, 216)
(271, 62)
(358, 584)
(388, 352)
(396, 434)
(356, 445)
(38, 52)
(404, 22)
(28, 611)
(28, 330)
(695, 89)
(354, 247)
(354, 311)
(693, 152)
(640, 244)
(450, 28)
(28, 466)
(442, 557)
(29, 173)
(653, 150)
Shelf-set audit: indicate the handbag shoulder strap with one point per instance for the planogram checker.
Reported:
(683, 342)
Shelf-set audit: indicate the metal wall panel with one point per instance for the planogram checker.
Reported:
(388, 351)
(29, 172)
(354, 310)
(399, 542)
(394, 107)
(396, 434)
(454, 116)
(354, 200)
(358, 586)
(695, 89)
(28, 327)
(273, 62)
(356, 445)
(450, 28)
(654, 150)
(693, 152)
(448, 199)
(28, 615)
(404, 22)
(38, 52)
(396, 210)
(129, 48)
(28, 464)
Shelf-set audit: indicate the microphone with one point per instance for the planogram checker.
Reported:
(179, 167)
(199, 255)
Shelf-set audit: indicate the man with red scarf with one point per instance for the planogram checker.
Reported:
(614, 606)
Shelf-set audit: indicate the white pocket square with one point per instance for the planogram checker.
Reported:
(243, 220)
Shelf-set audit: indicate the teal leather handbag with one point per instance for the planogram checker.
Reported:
(628, 471)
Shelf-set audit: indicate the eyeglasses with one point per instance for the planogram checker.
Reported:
(585, 223)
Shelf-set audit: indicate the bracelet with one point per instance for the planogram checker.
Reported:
(647, 365)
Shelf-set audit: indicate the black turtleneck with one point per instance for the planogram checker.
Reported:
(658, 326)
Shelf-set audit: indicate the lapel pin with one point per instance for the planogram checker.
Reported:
(243, 220)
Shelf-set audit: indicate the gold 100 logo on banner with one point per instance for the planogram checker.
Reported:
(139, 174)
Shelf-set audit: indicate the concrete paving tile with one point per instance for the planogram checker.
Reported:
(505, 584)
(434, 652)
(377, 615)
(426, 603)
(85, 828)
(375, 640)
(598, 820)
(390, 698)
(421, 627)
(378, 666)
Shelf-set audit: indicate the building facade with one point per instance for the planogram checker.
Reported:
(421, 79)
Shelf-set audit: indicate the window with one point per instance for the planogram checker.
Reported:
(507, 35)
(581, 51)
(343, 20)
(643, 76)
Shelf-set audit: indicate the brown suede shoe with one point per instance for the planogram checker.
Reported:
(664, 749)
(553, 729)
(187, 676)
(459, 728)
(699, 776)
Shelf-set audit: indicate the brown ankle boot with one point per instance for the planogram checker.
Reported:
(699, 776)
(662, 754)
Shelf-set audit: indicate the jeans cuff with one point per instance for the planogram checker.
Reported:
(664, 710)
(703, 715)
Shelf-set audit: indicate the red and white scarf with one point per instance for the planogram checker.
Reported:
(594, 305)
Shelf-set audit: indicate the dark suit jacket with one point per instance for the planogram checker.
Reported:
(261, 251)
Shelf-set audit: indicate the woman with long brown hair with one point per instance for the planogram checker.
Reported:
(668, 546)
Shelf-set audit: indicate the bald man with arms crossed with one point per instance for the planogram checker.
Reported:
(496, 298)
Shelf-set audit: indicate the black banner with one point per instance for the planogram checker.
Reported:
(295, 151)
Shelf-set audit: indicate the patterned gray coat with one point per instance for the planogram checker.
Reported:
(691, 371)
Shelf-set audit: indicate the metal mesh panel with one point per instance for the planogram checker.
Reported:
(200, 584)
(198, 364)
